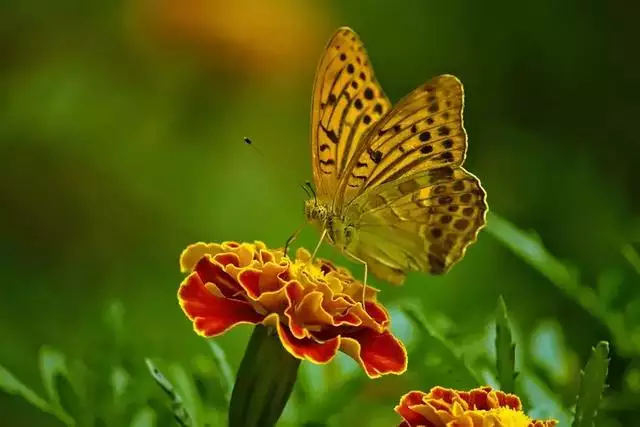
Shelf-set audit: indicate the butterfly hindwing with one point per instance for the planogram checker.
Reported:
(347, 101)
(424, 131)
(391, 177)
(424, 222)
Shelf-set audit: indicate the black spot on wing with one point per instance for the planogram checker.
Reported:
(376, 156)
(331, 134)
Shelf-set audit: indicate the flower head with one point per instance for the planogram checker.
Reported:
(480, 407)
(311, 304)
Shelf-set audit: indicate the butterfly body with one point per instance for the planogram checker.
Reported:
(391, 191)
(340, 229)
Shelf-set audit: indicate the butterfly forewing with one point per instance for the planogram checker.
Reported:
(394, 176)
(427, 220)
(347, 101)
(422, 132)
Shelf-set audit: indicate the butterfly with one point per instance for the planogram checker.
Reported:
(390, 189)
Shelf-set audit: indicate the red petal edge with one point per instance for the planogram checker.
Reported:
(212, 315)
(411, 418)
(308, 348)
(378, 313)
(212, 272)
(378, 353)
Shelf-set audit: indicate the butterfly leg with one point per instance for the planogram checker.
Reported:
(324, 233)
(366, 271)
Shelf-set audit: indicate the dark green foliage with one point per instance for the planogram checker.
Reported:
(505, 350)
(453, 369)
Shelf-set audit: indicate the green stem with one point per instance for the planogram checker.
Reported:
(264, 381)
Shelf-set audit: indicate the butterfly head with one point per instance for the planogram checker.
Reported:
(340, 231)
(316, 213)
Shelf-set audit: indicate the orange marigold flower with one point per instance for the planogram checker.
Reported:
(480, 407)
(312, 305)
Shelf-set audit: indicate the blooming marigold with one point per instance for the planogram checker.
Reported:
(480, 407)
(312, 305)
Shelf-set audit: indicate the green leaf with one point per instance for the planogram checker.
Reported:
(432, 343)
(505, 350)
(544, 402)
(57, 383)
(179, 412)
(121, 382)
(531, 250)
(114, 319)
(223, 367)
(609, 285)
(632, 257)
(592, 386)
(145, 417)
(186, 388)
(11, 385)
(264, 381)
(206, 378)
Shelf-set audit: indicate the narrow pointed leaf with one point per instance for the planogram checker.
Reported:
(185, 387)
(12, 385)
(432, 342)
(632, 257)
(57, 382)
(505, 350)
(530, 248)
(224, 369)
(592, 386)
(177, 406)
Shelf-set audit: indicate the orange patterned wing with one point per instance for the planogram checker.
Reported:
(424, 131)
(347, 101)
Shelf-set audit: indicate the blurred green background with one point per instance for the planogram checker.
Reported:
(121, 130)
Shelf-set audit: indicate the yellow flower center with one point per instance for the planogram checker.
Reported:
(304, 266)
(506, 417)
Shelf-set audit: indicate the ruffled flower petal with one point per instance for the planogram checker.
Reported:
(313, 306)
(479, 407)
(407, 402)
(213, 315)
(378, 353)
(308, 348)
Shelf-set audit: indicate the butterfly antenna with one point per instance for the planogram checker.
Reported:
(249, 142)
(308, 189)
(305, 190)
(313, 192)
